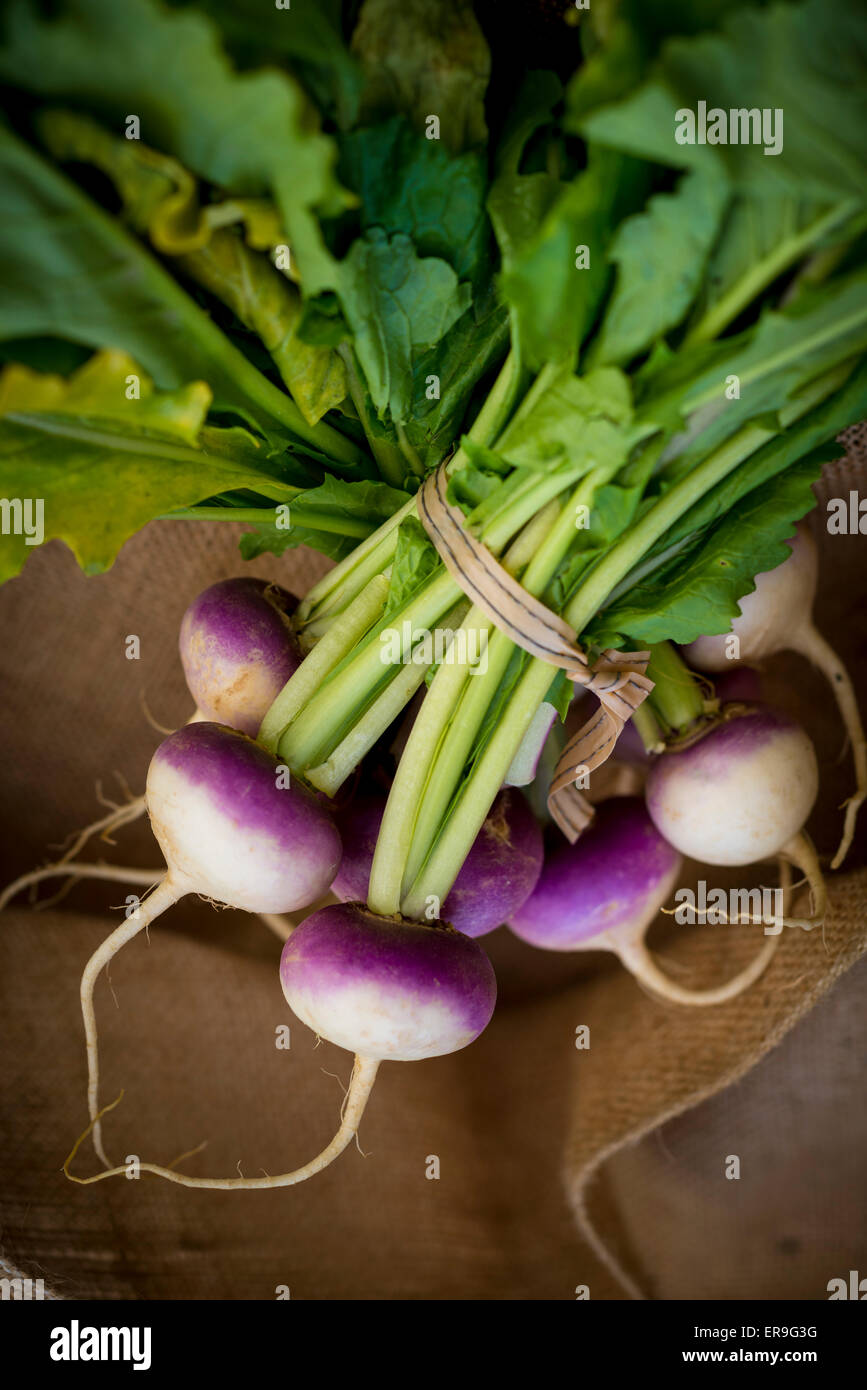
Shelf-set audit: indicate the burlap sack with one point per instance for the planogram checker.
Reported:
(645, 1207)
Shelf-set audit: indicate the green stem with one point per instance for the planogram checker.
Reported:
(330, 775)
(260, 515)
(326, 721)
(763, 273)
(390, 461)
(395, 835)
(316, 733)
(500, 402)
(448, 754)
(676, 696)
(311, 517)
(472, 806)
(330, 650)
(783, 357)
(445, 733)
(527, 543)
(631, 547)
(648, 730)
(523, 504)
(409, 453)
(468, 813)
(342, 583)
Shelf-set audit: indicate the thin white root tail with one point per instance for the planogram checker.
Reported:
(112, 872)
(800, 852)
(637, 958)
(811, 644)
(282, 927)
(106, 826)
(162, 897)
(363, 1076)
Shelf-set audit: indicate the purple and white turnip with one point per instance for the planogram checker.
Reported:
(775, 617)
(237, 649)
(740, 795)
(231, 831)
(603, 893)
(391, 990)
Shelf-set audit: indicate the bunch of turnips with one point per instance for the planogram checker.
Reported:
(734, 785)
(549, 386)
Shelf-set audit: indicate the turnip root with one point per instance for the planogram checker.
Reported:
(499, 872)
(385, 988)
(603, 892)
(237, 649)
(113, 873)
(230, 831)
(742, 794)
(363, 1076)
(120, 873)
(775, 617)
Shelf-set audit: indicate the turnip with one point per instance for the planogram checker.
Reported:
(237, 649)
(389, 989)
(231, 831)
(604, 891)
(499, 872)
(741, 794)
(777, 616)
(743, 685)
(386, 988)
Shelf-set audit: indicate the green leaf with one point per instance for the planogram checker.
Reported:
(482, 476)
(160, 197)
(415, 560)
(573, 417)
(397, 305)
(160, 200)
(531, 109)
(762, 236)
(661, 256)
(266, 302)
(693, 578)
(553, 239)
(408, 184)
(309, 35)
(248, 133)
(423, 58)
(699, 595)
(805, 61)
(612, 70)
(446, 375)
(804, 436)
(332, 518)
(102, 465)
(560, 695)
(74, 272)
(613, 509)
(626, 35)
(772, 361)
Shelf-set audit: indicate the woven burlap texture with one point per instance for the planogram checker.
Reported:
(192, 1038)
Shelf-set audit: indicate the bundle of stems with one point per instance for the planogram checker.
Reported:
(472, 721)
